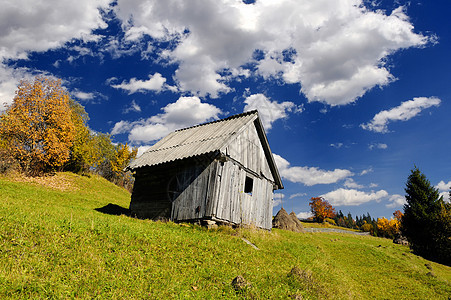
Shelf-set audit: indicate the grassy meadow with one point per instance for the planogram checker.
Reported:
(55, 244)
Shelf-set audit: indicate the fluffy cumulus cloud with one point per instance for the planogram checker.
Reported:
(444, 189)
(396, 201)
(39, 26)
(304, 215)
(335, 49)
(349, 197)
(83, 95)
(278, 197)
(154, 83)
(185, 112)
(350, 183)
(269, 111)
(406, 111)
(309, 175)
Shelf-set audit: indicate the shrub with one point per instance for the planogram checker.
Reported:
(330, 221)
(367, 227)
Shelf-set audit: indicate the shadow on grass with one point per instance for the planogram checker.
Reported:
(113, 209)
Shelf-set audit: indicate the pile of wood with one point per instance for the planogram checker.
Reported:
(286, 221)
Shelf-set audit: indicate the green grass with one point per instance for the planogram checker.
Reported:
(54, 244)
(326, 225)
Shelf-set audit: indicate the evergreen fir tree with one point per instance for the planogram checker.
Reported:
(425, 223)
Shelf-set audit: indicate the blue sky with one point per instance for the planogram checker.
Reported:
(352, 93)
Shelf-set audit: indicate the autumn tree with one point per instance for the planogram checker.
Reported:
(114, 162)
(366, 227)
(124, 154)
(426, 222)
(321, 209)
(388, 228)
(38, 126)
(84, 153)
(398, 215)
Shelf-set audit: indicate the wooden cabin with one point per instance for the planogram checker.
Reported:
(221, 171)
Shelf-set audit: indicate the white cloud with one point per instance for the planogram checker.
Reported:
(309, 175)
(337, 145)
(278, 197)
(27, 26)
(9, 80)
(46, 24)
(378, 146)
(121, 127)
(185, 112)
(403, 112)
(88, 96)
(350, 183)
(154, 83)
(297, 195)
(444, 189)
(442, 186)
(276, 202)
(366, 171)
(396, 201)
(338, 47)
(304, 215)
(345, 197)
(83, 95)
(269, 111)
(142, 149)
(134, 107)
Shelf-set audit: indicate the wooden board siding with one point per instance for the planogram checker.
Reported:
(150, 198)
(247, 149)
(196, 186)
(173, 191)
(235, 206)
(202, 189)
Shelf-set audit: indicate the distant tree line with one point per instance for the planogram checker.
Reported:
(426, 221)
(44, 131)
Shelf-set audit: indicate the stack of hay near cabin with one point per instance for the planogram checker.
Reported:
(286, 221)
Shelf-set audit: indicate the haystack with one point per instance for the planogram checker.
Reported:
(296, 220)
(285, 221)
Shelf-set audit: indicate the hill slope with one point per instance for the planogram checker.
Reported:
(55, 244)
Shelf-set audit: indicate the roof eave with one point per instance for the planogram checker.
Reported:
(268, 153)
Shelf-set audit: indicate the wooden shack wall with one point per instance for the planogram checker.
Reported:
(232, 204)
(150, 195)
(247, 149)
(176, 191)
(196, 185)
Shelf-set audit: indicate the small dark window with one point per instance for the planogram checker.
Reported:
(248, 185)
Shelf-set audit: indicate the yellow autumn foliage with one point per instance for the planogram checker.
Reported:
(122, 157)
(38, 126)
(388, 227)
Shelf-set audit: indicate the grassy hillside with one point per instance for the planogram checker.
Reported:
(54, 244)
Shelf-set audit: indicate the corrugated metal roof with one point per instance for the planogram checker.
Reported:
(193, 141)
(202, 139)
